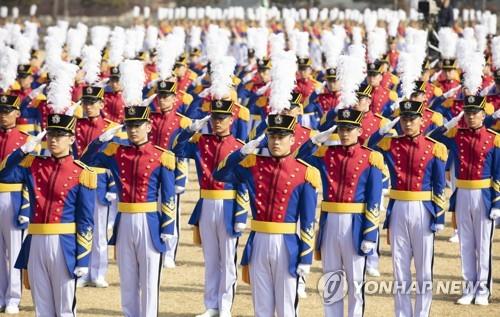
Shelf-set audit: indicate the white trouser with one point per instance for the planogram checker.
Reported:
(11, 239)
(99, 255)
(338, 253)
(52, 287)
(173, 243)
(219, 252)
(139, 266)
(274, 290)
(410, 236)
(112, 213)
(475, 232)
(373, 259)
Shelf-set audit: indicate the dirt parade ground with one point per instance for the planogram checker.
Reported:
(182, 288)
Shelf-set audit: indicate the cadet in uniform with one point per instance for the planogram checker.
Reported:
(275, 256)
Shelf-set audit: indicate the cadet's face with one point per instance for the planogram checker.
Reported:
(374, 80)
(411, 125)
(221, 126)
(8, 119)
(166, 102)
(114, 83)
(59, 145)
(92, 109)
(305, 72)
(333, 85)
(265, 75)
(348, 135)
(138, 134)
(26, 82)
(180, 70)
(363, 104)
(280, 145)
(474, 120)
(450, 74)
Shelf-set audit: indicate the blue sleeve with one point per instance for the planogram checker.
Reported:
(371, 218)
(495, 173)
(10, 171)
(438, 187)
(230, 171)
(307, 208)
(306, 150)
(167, 201)
(84, 224)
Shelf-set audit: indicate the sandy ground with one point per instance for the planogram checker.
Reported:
(182, 288)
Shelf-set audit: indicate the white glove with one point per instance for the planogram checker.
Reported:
(152, 83)
(148, 100)
(262, 90)
(454, 121)
(33, 142)
(367, 246)
(109, 134)
(197, 125)
(322, 137)
(451, 92)
(439, 227)
(179, 189)
(35, 92)
(486, 89)
(303, 269)
(166, 237)
(496, 114)
(81, 271)
(388, 127)
(23, 219)
(239, 226)
(494, 213)
(110, 196)
(251, 146)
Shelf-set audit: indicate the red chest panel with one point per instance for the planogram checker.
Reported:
(164, 124)
(184, 82)
(21, 93)
(10, 141)
(448, 84)
(370, 124)
(135, 166)
(473, 145)
(327, 101)
(114, 106)
(77, 92)
(212, 151)
(427, 118)
(44, 113)
(411, 157)
(393, 58)
(344, 166)
(304, 86)
(386, 80)
(494, 100)
(429, 92)
(380, 96)
(87, 130)
(302, 135)
(274, 180)
(52, 179)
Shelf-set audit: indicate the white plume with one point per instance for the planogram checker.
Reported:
(217, 42)
(495, 51)
(99, 35)
(76, 40)
(132, 79)
(277, 41)
(257, 39)
(168, 50)
(222, 71)
(195, 37)
(447, 42)
(481, 32)
(23, 48)
(117, 46)
(357, 37)
(332, 48)
(151, 37)
(409, 71)
(473, 72)
(31, 32)
(60, 88)
(350, 74)
(302, 48)
(33, 9)
(393, 26)
(8, 67)
(91, 56)
(377, 45)
(282, 80)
